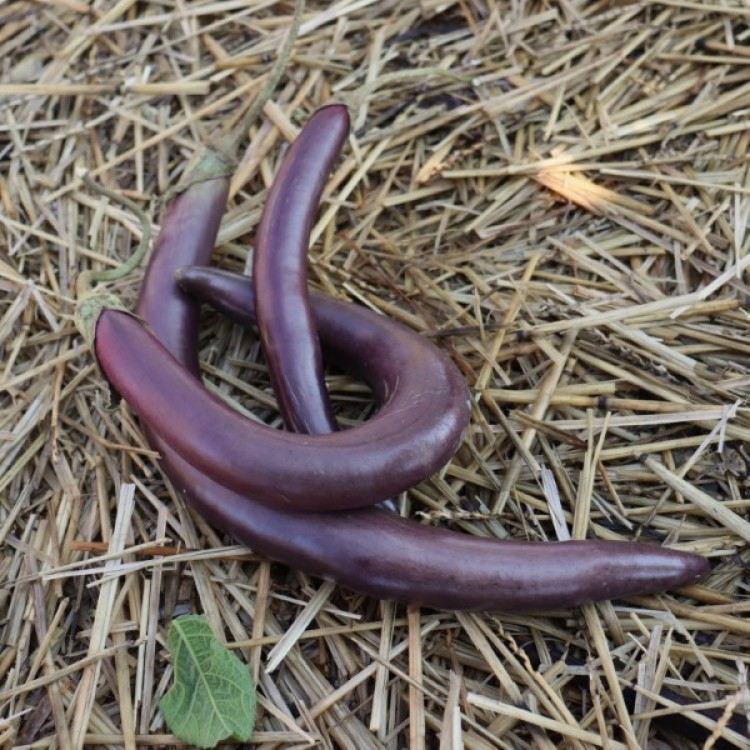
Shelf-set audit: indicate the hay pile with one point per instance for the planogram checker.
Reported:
(559, 192)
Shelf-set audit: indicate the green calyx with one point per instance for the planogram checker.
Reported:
(214, 163)
(88, 310)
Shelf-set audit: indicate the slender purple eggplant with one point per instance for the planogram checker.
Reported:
(383, 555)
(285, 320)
(288, 332)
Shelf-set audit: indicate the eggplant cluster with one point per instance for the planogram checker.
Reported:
(305, 496)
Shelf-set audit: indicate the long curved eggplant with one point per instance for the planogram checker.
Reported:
(419, 427)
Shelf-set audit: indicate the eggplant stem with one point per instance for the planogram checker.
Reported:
(87, 279)
(219, 158)
(91, 302)
(233, 141)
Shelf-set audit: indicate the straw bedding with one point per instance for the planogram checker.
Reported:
(558, 193)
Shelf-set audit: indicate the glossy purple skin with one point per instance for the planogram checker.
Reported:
(288, 332)
(285, 321)
(386, 556)
(378, 553)
(424, 412)
(188, 234)
(371, 551)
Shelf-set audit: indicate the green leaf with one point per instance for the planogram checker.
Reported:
(213, 697)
